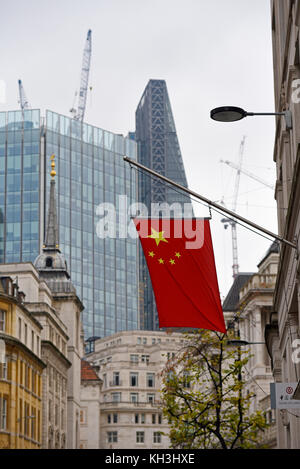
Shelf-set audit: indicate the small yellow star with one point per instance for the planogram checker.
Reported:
(161, 261)
(177, 254)
(172, 262)
(151, 254)
(158, 236)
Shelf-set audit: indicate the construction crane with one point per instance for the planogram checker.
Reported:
(78, 113)
(248, 173)
(22, 97)
(231, 222)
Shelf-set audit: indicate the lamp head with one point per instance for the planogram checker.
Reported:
(228, 114)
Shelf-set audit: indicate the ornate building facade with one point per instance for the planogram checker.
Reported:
(284, 322)
(21, 373)
(130, 364)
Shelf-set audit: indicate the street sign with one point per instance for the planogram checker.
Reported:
(282, 396)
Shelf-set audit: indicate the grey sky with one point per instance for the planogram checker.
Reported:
(210, 53)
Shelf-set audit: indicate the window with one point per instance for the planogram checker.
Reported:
(112, 418)
(112, 437)
(136, 418)
(20, 419)
(116, 378)
(50, 410)
(50, 377)
(26, 420)
(33, 423)
(134, 397)
(27, 376)
(153, 341)
(153, 419)
(156, 437)
(139, 340)
(144, 340)
(3, 369)
(3, 413)
(20, 328)
(134, 379)
(116, 396)
(151, 398)
(140, 437)
(21, 373)
(150, 380)
(134, 358)
(186, 380)
(56, 415)
(32, 341)
(159, 419)
(145, 358)
(2, 320)
(37, 346)
(142, 418)
(33, 381)
(25, 334)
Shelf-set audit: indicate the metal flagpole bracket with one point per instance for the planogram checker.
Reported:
(213, 204)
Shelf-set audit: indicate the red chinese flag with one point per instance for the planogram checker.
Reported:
(180, 259)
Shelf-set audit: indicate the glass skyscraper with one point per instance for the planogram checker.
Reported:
(90, 171)
(158, 149)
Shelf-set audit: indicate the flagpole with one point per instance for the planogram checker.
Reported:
(211, 203)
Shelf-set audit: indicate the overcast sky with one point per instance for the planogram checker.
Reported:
(210, 52)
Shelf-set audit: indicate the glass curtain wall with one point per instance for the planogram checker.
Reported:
(19, 185)
(91, 171)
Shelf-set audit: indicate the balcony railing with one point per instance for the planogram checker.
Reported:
(131, 404)
(258, 282)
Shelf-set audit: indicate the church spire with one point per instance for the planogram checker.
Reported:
(52, 239)
(51, 263)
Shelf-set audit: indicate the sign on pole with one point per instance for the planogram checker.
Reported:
(282, 396)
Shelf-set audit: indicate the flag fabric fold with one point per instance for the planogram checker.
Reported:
(181, 264)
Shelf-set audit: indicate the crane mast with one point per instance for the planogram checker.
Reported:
(235, 264)
(84, 80)
(22, 97)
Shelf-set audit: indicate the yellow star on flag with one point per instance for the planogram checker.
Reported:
(172, 262)
(161, 261)
(158, 236)
(177, 254)
(151, 254)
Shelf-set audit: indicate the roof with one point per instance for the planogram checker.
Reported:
(232, 299)
(274, 248)
(87, 372)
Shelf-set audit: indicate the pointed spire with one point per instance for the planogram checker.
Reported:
(51, 240)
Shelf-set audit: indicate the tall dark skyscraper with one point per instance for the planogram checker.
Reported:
(158, 149)
(90, 172)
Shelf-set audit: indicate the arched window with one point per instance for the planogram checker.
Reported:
(49, 262)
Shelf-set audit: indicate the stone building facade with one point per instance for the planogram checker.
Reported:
(283, 327)
(130, 364)
(54, 339)
(90, 398)
(21, 373)
(255, 306)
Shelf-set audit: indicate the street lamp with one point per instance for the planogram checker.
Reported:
(233, 114)
(240, 343)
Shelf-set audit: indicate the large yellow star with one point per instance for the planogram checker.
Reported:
(158, 236)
